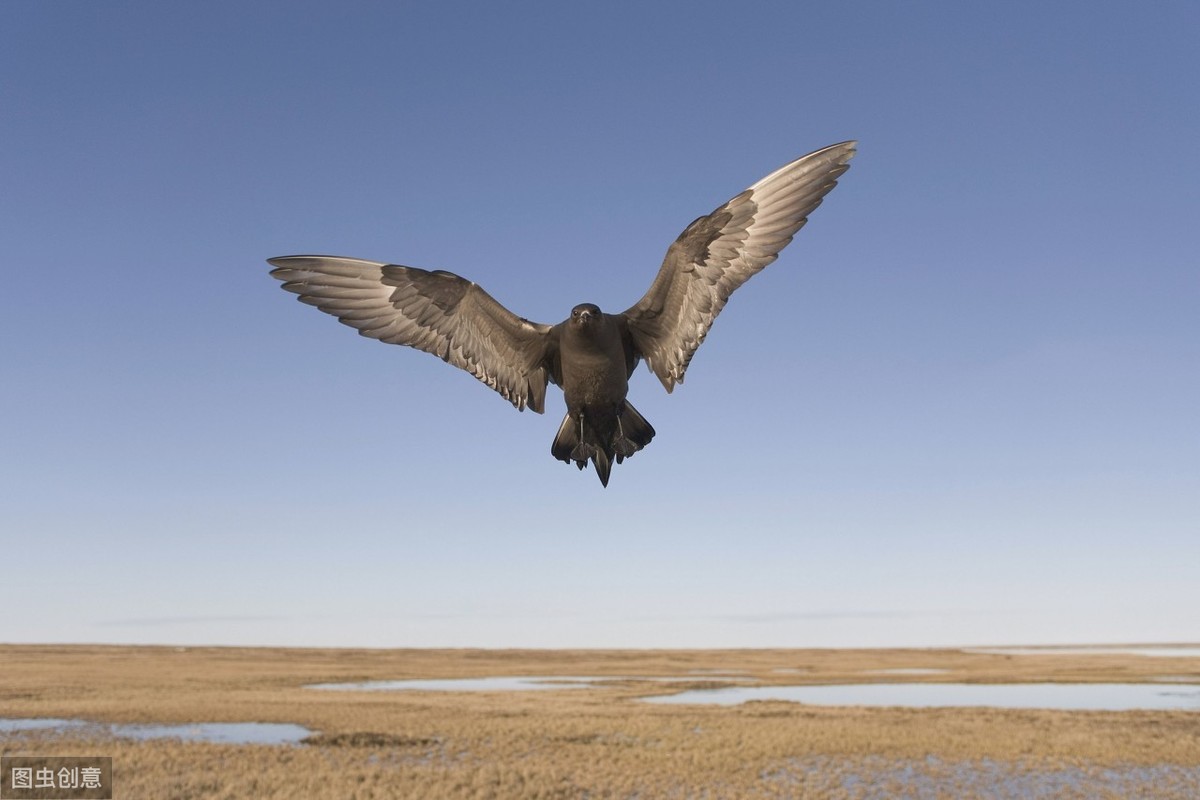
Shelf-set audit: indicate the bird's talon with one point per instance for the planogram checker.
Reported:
(624, 448)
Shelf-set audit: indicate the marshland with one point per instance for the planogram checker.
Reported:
(587, 730)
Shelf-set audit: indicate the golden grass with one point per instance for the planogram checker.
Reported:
(595, 742)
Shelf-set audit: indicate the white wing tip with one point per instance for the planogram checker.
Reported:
(300, 261)
(836, 154)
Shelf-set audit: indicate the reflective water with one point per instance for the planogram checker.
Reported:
(1062, 696)
(218, 732)
(8, 724)
(215, 732)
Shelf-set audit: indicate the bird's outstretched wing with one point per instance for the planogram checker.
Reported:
(718, 253)
(438, 312)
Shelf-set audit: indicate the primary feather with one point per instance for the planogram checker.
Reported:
(718, 253)
(438, 312)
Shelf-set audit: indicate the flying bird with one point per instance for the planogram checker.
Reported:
(591, 354)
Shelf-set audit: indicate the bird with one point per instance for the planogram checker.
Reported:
(592, 354)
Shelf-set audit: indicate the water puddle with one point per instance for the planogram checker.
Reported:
(11, 725)
(212, 732)
(218, 732)
(1056, 696)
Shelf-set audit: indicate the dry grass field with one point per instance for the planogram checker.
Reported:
(599, 741)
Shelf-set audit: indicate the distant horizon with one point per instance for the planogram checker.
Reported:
(1083, 646)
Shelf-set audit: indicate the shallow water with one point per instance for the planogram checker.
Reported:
(1058, 696)
(9, 724)
(213, 732)
(218, 732)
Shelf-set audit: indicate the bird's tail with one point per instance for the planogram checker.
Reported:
(620, 438)
(633, 433)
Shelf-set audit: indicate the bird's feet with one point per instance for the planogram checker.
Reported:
(582, 451)
(623, 446)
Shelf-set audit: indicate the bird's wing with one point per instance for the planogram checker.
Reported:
(438, 312)
(718, 253)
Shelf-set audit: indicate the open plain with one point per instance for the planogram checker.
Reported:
(598, 740)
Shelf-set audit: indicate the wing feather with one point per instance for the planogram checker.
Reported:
(437, 312)
(718, 253)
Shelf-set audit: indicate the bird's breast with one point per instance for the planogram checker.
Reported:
(594, 372)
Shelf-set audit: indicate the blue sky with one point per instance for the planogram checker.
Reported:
(960, 409)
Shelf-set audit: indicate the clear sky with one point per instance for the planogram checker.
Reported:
(960, 409)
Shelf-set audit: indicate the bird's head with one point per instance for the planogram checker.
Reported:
(585, 314)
